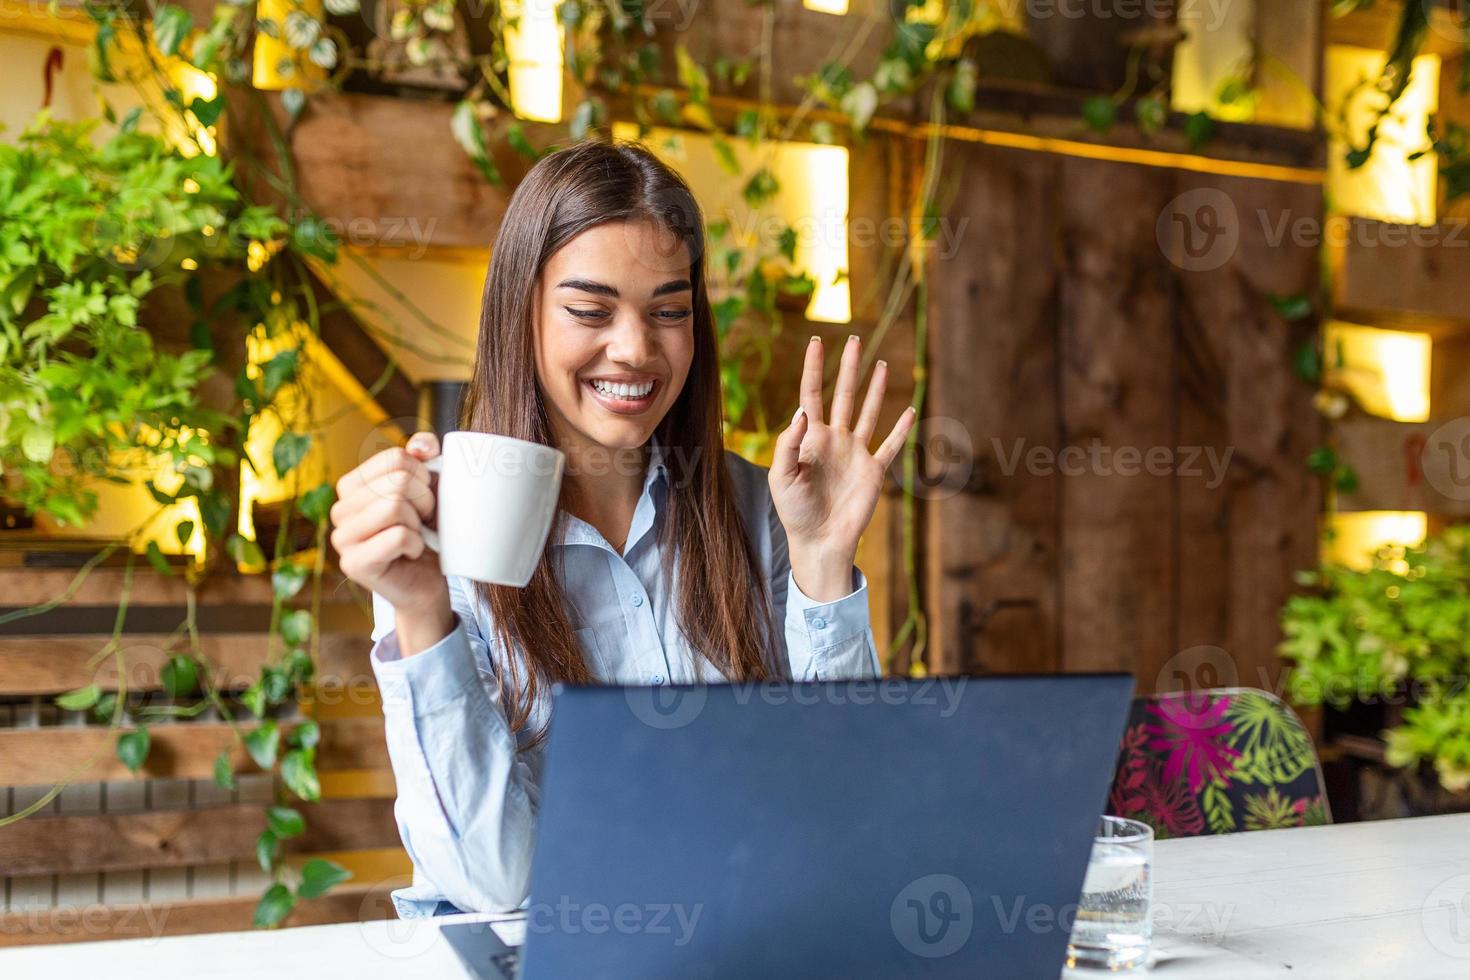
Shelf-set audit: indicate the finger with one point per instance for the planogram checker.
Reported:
(845, 391)
(371, 558)
(872, 404)
(424, 444)
(394, 460)
(888, 452)
(811, 381)
(377, 515)
(787, 459)
(395, 485)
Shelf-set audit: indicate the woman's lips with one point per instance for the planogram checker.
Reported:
(619, 405)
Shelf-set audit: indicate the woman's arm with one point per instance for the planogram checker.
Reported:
(466, 807)
(824, 486)
(824, 640)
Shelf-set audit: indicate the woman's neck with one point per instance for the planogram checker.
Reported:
(602, 487)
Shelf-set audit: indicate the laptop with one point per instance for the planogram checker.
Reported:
(848, 829)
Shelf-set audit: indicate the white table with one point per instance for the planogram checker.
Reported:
(1369, 900)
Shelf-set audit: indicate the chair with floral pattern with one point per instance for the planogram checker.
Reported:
(1216, 762)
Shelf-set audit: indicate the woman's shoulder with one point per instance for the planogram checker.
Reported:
(749, 480)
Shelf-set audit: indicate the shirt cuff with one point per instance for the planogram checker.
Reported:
(832, 623)
(429, 679)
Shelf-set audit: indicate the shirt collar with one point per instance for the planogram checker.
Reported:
(575, 531)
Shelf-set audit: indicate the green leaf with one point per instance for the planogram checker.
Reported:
(253, 697)
(261, 742)
(274, 906)
(1346, 479)
(184, 530)
(725, 154)
(1152, 114)
(1200, 129)
(224, 773)
(293, 100)
(288, 579)
(132, 748)
(962, 84)
(1100, 113)
(760, 188)
(244, 551)
(170, 25)
(215, 508)
(305, 735)
(311, 236)
(1293, 309)
(156, 559)
(296, 627)
(180, 676)
(105, 708)
(298, 772)
(289, 450)
(207, 111)
(464, 125)
(1322, 460)
(81, 699)
(1308, 363)
(320, 875)
(316, 503)
(267, 851)
(279, 369)
(859, 103)
(285, 822)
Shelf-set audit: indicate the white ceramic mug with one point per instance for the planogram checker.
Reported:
(494, 506)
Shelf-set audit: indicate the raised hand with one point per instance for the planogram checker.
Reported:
(824, 481)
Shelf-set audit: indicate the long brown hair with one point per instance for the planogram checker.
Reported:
(723, 608)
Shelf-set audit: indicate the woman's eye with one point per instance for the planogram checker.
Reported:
(585, 314)
(673, 315)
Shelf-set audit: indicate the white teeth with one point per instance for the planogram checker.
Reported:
(618, 389)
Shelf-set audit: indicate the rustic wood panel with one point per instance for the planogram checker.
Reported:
(1407, 466)
(1167, 374)
(51, 664)
(993, 534)
(1116, 350)
(89, 923)
(31, 586)
(1291, 33)
(44, 755)
(1240, 540)
(176, 837)
(1403, 275)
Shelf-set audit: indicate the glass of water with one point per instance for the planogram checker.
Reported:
(1113, 930)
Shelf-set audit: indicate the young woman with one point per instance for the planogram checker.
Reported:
(670, 562)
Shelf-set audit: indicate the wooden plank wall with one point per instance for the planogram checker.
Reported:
(1064, 322)
(168, 850)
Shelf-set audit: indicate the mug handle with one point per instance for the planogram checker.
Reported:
(431, 536)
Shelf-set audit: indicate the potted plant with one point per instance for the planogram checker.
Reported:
(1384, 650)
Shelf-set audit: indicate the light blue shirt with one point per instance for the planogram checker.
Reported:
(467, 789)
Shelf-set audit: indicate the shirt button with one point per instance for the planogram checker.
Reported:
(658, 678)
(637, 601)
(818, 623)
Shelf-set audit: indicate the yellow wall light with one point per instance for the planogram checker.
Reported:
(812, 201)
(534, 43)
(277, 65)
(1357, 536)
(1387, 371)
(1390, 186)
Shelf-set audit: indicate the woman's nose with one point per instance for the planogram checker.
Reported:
(631, 342)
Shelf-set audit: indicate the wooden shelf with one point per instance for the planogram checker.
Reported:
(1403, 276)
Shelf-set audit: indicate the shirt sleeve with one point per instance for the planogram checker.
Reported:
(824, 640)
(466, 807)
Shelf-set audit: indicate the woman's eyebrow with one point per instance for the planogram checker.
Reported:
(603, 289)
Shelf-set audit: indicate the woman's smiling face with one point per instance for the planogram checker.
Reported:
(614, 333)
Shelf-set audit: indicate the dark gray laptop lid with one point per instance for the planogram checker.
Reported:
(935, 828)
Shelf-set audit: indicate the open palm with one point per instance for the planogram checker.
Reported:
(824, 481)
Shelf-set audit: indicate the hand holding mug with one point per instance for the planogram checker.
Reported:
(378, 526)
